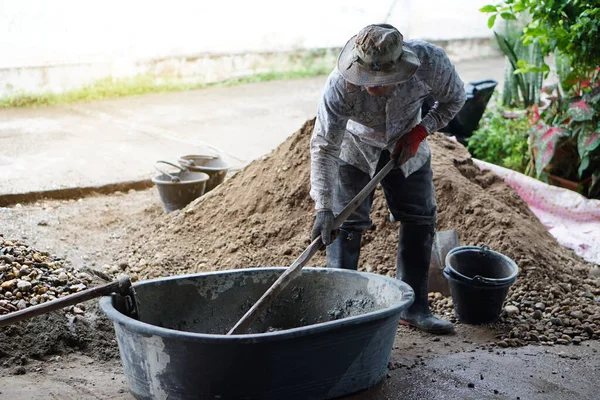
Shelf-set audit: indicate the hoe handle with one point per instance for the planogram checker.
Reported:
(120, 286)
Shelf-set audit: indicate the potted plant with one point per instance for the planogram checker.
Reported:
(565, 138)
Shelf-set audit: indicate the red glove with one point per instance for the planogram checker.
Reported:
(407, 145)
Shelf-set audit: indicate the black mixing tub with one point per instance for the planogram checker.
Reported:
(328, 334)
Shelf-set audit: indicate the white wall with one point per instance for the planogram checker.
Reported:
(39, 32)
(35, 33)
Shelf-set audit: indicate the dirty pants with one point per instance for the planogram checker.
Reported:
(411, 200)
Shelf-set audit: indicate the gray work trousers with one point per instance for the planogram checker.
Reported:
(410, 199)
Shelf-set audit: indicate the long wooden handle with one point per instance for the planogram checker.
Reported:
(120, 286)
(293, 270)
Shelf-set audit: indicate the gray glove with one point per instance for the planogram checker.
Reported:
(323, 226)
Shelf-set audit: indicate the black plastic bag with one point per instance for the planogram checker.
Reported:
(467, 119)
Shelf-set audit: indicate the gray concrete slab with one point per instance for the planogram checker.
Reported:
(113, 141)
(532, 373)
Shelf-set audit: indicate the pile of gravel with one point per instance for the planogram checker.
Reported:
(29, 277)
(564, 312)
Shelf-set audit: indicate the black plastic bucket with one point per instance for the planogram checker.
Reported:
(479, 279)
(178, 189)
(328, 334)
(213, 165)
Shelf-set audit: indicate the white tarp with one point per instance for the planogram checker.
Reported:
(570, 217)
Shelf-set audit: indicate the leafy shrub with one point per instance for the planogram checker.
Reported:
(566, 137)
(568, 26)
(502, 139)
(564, 140)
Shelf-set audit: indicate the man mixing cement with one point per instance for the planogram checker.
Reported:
(371, 108)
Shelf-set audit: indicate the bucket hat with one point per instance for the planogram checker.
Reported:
(377, 56)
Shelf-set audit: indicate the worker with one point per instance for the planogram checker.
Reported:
(370, 112)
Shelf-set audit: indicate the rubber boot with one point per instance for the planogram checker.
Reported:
(345, 250)
(414, 255)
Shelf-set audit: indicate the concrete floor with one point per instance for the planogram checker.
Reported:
(458, 373)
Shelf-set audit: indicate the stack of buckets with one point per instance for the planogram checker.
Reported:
(197, 175)
(479, 279)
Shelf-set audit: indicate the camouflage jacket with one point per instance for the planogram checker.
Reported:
(356, 127)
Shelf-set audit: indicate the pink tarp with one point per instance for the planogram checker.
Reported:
(571, 218)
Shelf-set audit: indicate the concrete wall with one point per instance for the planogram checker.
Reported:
(60, 44)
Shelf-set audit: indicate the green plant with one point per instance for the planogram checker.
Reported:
(521, 86)
(502, 138)
(527, 84)
(568, 26)
(565, 138)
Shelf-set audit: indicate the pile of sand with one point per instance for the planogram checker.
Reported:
(263, 217)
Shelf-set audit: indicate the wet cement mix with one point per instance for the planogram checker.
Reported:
(263, 217)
